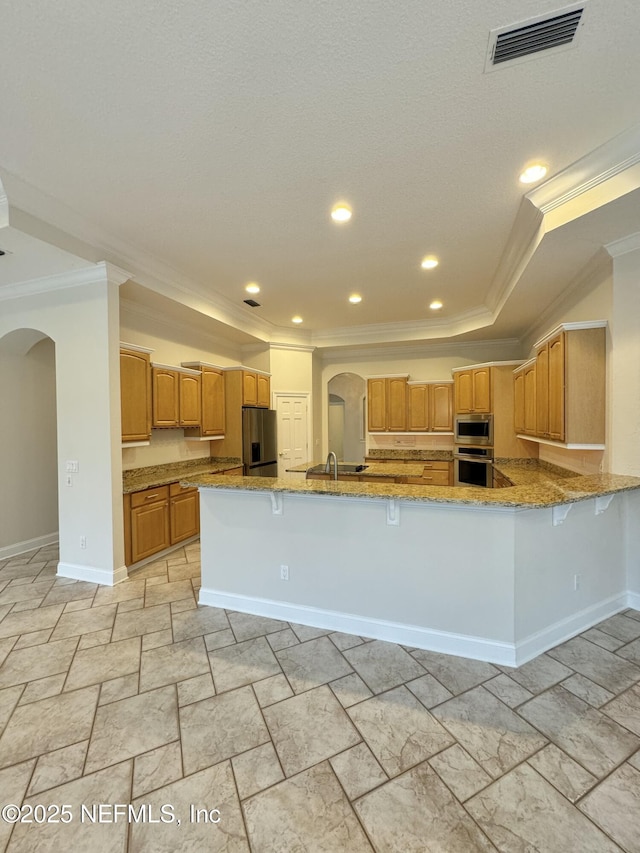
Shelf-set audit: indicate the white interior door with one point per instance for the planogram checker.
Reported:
(292, 413)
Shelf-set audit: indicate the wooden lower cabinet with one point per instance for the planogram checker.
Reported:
(155, 519)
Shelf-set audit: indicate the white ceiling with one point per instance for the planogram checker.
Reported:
(203, 144)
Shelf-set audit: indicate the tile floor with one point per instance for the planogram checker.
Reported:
(262, 736)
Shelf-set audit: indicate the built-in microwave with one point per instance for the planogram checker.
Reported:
(473, 429)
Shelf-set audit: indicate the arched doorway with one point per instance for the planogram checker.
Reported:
(28, 451)
(347, 436)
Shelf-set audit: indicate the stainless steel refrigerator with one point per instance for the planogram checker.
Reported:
(259, 446)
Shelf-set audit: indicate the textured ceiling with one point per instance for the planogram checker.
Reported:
(215, 137)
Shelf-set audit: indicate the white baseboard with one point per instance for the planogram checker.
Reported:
(393, 632)
(540, 642)
(91, 574)
(28, 545)
(633, 600)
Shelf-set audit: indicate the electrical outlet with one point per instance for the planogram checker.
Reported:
(576, 582)
(72, 466)
(284, 573)
(83, 541)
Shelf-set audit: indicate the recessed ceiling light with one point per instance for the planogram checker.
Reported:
(436, 305)
(341, 212)
(534, 172)
(252, 287)
(296, 319)
(355, 298)
(429, 263)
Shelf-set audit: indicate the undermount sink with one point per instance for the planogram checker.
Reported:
(342, 469)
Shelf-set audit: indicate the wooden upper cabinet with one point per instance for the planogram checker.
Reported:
(135, 394)
(249, 389)
(263, 390)
(190, 399)
(542, 391)
(441, 407)
(397, 404)
(376, 405)
(387, 404)
(556, 388)
(472, 390)
(530, 399)
(213, 412)
(166, 397)
(518, 400)
(418, 407)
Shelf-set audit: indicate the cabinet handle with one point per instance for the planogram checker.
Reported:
(149, 497)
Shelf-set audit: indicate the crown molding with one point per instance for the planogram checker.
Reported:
(631, 243)
(292, 347)
(96, 274)
(414, 351)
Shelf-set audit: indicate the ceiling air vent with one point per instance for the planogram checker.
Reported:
(252, 303)
(517, 42)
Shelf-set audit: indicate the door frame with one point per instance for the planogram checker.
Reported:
(306, 396)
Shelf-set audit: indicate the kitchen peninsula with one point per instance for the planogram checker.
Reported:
(493, 574)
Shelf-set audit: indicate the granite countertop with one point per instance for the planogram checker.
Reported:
(408, 455)
(160, 475)
(535, 486)
(373, 469)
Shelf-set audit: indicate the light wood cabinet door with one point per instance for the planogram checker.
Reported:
(184, 513)
(463, 391)
(418, 408)
(249, 389)
(441, 407)
(135, 395)
(530, 404)
(397, 404)
(149, 529)
(213, 411)
(376, 405)
(518, 401)
(482, 389)
(166, 397)
(556, 389)
(190, 399)
(542, 392)
(263, 390)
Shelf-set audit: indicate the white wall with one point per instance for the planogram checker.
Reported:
(28, 453)
(82, 320)
(291, 369)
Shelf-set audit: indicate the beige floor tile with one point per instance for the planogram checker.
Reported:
(235, 718)
(197, 622)
(30, 620)
(308, 728)
(43, 688)
(256, 770)
(606, 641)
(399, 730)
(156, 580)
(132, 726)
(307, 632)
(416, 813)
(621, 627)
(586, 690)
(58, 767)
(157, 768)
(64, 592)
(635, 760)
(631, 652)
(208, 790)
(383, 665)
(350, 689)
(345, 641)
(135, 623)
(614, 804)
(312, 663)
(31, 604)
(130, 604)
(95, 638)
(496, 737)
(13, 594)
(606, 669)
(183, 604)
(282, 639)
(37, 638)
(172, 663)
(120, 592)
(219, 639)
(508, 690)
(118, 688)
(460, 772)
(358, 770)
(586, 734)
(108, 786)
(102, 663)
(157, 639)
(539, 674)
(80, 604)
(272, 690)
(48, 724)
(626, 709)
(246, 626)
(195, 689)
(13, 784)
(307, 814)
(572, 780)
(5, 648)
(244, 663)
(522, 811)
(429, 691)
(85, 622)
(166, 592)
(184, 571)
(37, 662)
(9, 698)
(455, 673)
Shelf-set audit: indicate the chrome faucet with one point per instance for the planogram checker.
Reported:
(327, 467)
